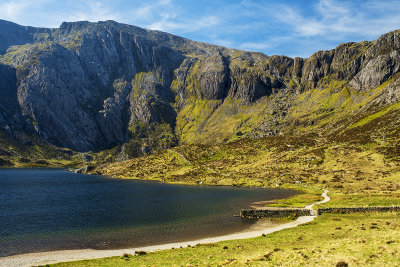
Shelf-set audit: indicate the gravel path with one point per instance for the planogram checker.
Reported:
(326, 199)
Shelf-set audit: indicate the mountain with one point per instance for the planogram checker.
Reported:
(94, 86)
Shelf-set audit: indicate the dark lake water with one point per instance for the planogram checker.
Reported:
(51, 209)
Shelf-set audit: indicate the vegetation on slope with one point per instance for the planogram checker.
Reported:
(241, 119)
(356, 239)
(345, 168)
(357, 174)
(359, 165)
(27, 151)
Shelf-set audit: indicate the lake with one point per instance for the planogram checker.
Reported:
(51, 209)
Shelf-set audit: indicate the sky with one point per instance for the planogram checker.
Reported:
(292, 27)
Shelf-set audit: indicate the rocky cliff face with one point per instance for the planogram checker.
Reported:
(91, 86)
(75, 86)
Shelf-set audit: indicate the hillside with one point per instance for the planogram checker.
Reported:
(132, 103)
(99, 86)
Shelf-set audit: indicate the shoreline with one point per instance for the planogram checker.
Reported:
(256, 230)
(43, 258)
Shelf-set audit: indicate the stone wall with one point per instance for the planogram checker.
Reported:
(358, 209)
(273, 213)
(282, 213)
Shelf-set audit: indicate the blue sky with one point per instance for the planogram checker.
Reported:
(293, 28)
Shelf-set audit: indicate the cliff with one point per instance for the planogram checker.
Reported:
(92, 86)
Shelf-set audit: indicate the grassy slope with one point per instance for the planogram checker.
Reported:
(357, 239)
(34, 153)
(361, 171)
(346, 169)
(337, 141)
(359, 162)
(355, 174)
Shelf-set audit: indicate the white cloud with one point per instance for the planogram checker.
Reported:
(221, 42)
(330, 9)
(40, 12)
(93, 11)
(334, 19)
(151, 10)
(14, 9)
(268, 26)
(50, 13)
(185, 25)
(300, 24)
(255, 46)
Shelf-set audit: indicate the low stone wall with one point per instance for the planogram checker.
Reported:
(273, 213)
(359, 209)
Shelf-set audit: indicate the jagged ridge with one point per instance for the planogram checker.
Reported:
(91, 86)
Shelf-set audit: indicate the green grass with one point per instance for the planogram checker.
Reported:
(328, 136)
(376, 115)
(370, 239)
(356, 175)
(37, 154)
(305, 197)
(362, 200)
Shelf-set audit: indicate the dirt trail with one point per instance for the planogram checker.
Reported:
(326, 199)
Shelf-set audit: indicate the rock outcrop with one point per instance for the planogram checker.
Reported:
(91, 86)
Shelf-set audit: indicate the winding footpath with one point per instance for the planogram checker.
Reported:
(326, 199)
(43, 258)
